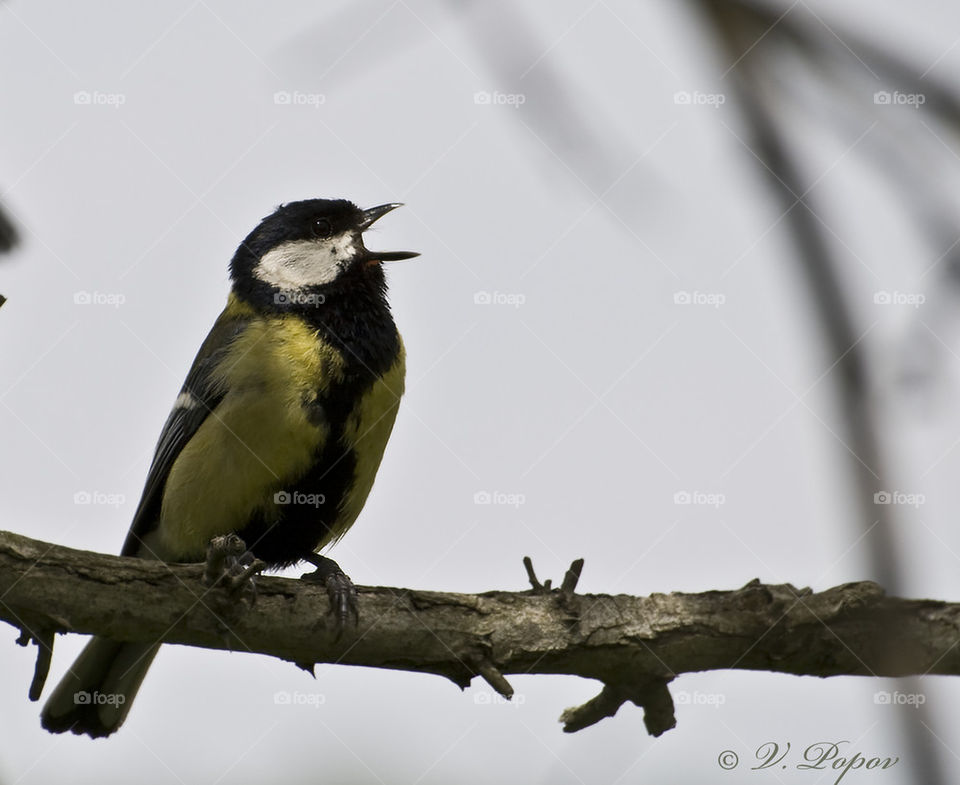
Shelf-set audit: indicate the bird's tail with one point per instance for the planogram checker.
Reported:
(96, 693)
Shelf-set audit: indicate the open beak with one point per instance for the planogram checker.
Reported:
(369, 217)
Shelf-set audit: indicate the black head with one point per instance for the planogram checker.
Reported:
(308, 247)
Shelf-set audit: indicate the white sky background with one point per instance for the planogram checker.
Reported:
(597, 399)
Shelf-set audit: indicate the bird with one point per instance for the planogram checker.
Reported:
(276, 435)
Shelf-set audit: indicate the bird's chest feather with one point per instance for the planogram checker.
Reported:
(296, 406)
(364, 438)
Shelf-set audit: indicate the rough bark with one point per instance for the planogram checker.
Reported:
(633, 645)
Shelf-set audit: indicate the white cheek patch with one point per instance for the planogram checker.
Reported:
(301, 263)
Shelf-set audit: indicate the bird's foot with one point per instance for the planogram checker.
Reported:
(231, 565)
(340, 589)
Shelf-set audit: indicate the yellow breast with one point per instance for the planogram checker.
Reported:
(258, 436)
(261, 436)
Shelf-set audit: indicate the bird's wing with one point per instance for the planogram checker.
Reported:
(198, 397)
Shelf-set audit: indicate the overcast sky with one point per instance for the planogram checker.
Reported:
(606, 314)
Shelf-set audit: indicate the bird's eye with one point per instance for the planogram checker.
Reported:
(322, 227)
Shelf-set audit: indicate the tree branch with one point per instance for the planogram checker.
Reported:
(634, 645)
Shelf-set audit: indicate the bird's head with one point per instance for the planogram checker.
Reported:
(308, 247)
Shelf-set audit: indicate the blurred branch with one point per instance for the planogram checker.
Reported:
(634, 645)
(8, 234)
(740, 31)
(8, 239)
(851, 67)
(840, 44)
(559, 113)
(752, 39)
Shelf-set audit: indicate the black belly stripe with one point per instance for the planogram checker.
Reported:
(309, 513)
(302, 523)
(363, 333)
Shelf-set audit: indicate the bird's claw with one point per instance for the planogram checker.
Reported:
(340, 590)
(231, 565)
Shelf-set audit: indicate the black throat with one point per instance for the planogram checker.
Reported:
(351, 314)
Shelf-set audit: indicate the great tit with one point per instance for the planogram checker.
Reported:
(277, 433)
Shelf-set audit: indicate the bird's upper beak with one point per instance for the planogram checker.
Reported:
(369, 217)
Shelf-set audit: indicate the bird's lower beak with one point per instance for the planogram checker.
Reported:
(369, 218)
